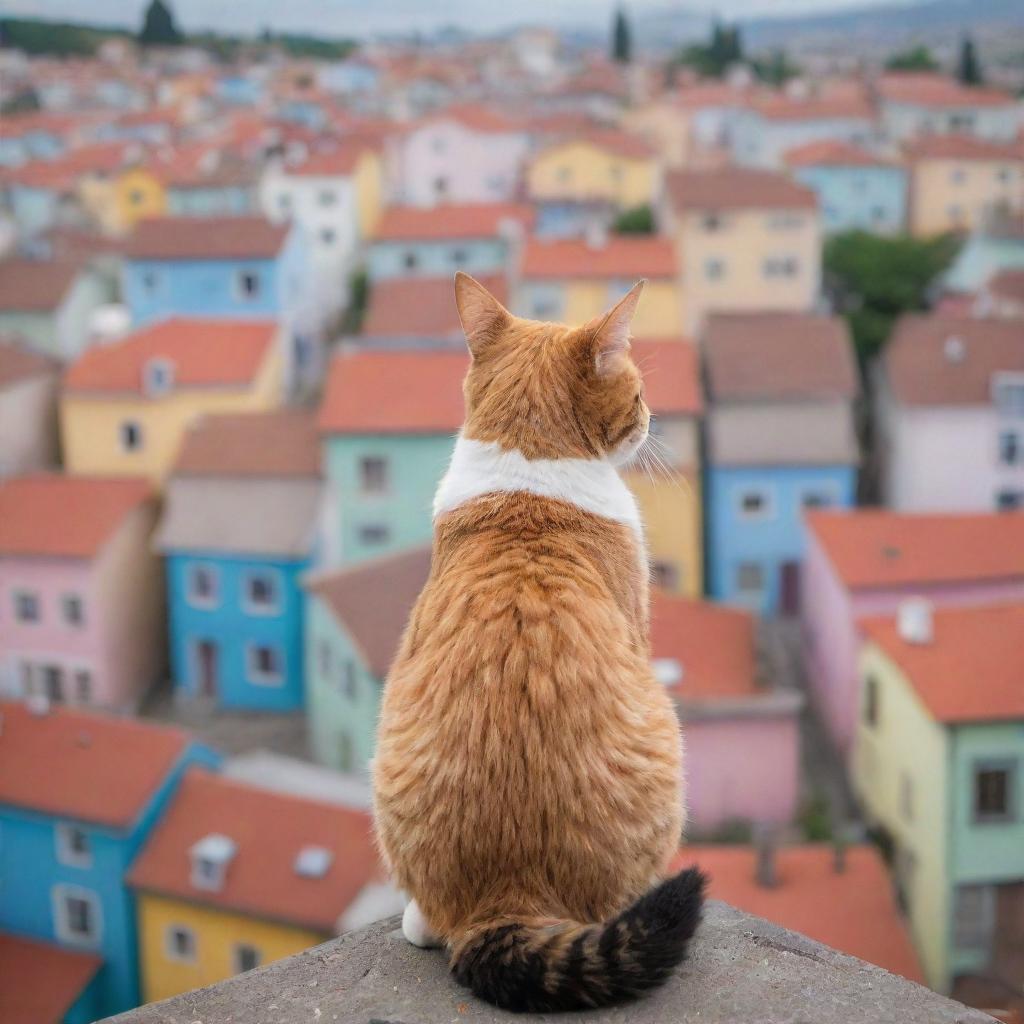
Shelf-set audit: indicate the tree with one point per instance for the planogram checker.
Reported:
(918, 58)
(713, 58)
(969, 70)
(638, 220)
(158, 28)
(777, 69)
(622, 39)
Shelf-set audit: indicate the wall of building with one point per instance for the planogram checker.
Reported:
(761, 141)
(28, 425)
(439, 258)
(955, 195)
(858, 198)
(581, 172)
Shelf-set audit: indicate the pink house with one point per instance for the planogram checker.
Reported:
(864, 562)
(81, 593)
(742, 738)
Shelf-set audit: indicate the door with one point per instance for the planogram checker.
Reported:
(53, 683)
(206, 669)
(789, 588)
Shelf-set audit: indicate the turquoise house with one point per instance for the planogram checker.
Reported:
(236, 606)
(387, 427)
(69, 833)
(354, 625)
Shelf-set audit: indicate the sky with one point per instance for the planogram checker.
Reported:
(361, 18)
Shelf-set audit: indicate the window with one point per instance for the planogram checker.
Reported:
(264, 665)
(203, 586)
(327, 197)
(409, 260)
(349, 680)
(993, 792)
(248, 284)
(871, 701)
(180, 943)
(150, 280)
(327, 236)
(974, 916)
(78, 916)
(441, 186)
(1009, 447)
(1004, 175)
(71, 608)
(52, 683)
(1008, 395)
(83, 686)
(753, 504)
(958, 176)
(459, 257)
(73, 847)
(325, 658)
(815, 499)
(780, 266)
(246, 958)
(1009, 501)
(262, 592)
(159, 376)
(373, 474)
(130, 434)
(749, 578)
(712, 222)
(714, 268)
(784, 221)
(374, 533)
(26, 606)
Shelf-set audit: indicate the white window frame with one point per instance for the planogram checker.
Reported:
(59, 895)
(255, 675)
(767, 510)
(139, 436)
(236, 956)
(171, 953)
(66, 854)
(276, 580)
(190, 595)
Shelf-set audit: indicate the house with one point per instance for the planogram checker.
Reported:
(139, 193)
(668, 488)
(865, 562)
(958, 182)
(780, 439)
(479, 238)
(938, 765)
(1003, 295)
(387, 426)
(589, 178)
(28, 409)
(234, 876)
(856, 190)
(79, 794)
(839, 896)
(125, 405)
(916, 104)
(742, 737)
(745, 240)
(216, 185)
(949, 415)
(465, 154)
(44, 984)
(235, 604)
(49, 303)
(355, 621)
(82, 597)
(572, 280)
(996, 245)
(238, 267)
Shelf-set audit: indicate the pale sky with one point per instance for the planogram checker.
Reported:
(359, 18)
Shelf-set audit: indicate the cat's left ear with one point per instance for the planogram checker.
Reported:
(482, 315)
(611, 331)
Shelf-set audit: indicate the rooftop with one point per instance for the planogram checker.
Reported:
(338, 162)
(780, 107)
(737, 188)
(1007, 284)
(206, 238)
(450, 221)
(34, 286)
(932, 89)
(671, 370)
(831, 153)
(618, 256)
(41, 982)
(420, 307)
(19, 363)
(962, 147)
(618, 143)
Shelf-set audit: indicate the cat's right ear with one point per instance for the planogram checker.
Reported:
(483, 316)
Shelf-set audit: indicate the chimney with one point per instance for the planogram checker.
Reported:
(914, 621)
(764, 848)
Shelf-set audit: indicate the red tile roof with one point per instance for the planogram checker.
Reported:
(618, 143)
(394, 392)
(35, 286)
(671, 369)
(206, 238)
(853, 911)
(832, 153)
(373, 601)
(420, 307)
(90, 767)
(1007, 284)
(204, 353)
(875, 549)
(338, 162)
(968, 645)
(622, 256)
(962, 147)
(477, 118)
(64, 173)
(452, 221)
(928, 89)
(268, 830)
(41, 982)
(35, 521)
(18, 363)
(737, 188)
(779, 107)
(712, 643)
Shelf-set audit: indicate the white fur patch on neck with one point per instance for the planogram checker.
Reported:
(483, 467)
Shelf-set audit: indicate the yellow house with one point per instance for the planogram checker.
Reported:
(572, 280)
(234, 877)
(138, 193)
(956, 181)
(745, 240)
(125, 406)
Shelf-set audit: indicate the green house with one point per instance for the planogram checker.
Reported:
(387, 426)
(355, 618)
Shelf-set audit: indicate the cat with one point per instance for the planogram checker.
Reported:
(527, 781)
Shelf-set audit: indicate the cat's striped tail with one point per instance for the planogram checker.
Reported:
(544, 966)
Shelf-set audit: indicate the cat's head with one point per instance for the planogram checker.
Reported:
(548, 390)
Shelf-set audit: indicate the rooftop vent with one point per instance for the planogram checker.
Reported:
(668, 671)
(313, 861)
(954, 348)
(914, 621)
(210, 859)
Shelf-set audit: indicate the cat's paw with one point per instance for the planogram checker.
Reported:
(416, 929)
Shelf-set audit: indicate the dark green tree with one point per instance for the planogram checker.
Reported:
(969, 69)
(158, 28)
(918, 58)
(638, 220)
(622, 39)
(775, 69)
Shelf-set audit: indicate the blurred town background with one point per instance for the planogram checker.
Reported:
(230, 370)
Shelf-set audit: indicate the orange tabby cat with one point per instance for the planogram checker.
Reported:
(527, 776)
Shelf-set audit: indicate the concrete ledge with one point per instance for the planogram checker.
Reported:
(743, 971)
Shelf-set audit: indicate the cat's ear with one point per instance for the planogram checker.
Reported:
(610, 333)
(482, 315)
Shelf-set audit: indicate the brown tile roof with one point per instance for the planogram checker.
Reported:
(961, 147)
(206, 238)
(671, 370)
(65, 173)
(940, 360)
(1007, 284)
(18, 363)
(477, 118)
(874, 548)
(451, 221)
(35, 286)
(778, 355)
(621, 256)
(279, 443)
(394, 392)
(968, 645)
(420, 307)
(41, 982)
(832, 153)
(779, 107)
(34, 517)
(928, 89)
(268, 830)
(373, 601)
(737, 188)
(80, 765)
(338, 162)
(204, 353)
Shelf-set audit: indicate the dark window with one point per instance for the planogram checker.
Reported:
(815, 499)
(871, 701)
(409, 260)
(1009, 447)
(203, 584)
(753, 503)
(374, 533)
(181, 942)
(1007, 501)
(265, 663)
(993, 792)
(261, 591)
(26, 607)
(373, 474)
(249, 284)
(246, 957)
(79, 916)
(53, 683)
(72, 605)
(131, 436)
(327, 236)
(749, 578)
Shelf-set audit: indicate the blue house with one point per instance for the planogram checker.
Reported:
(780, 439)
(236, 604)
(239, 90)
(79, 794)
(856, 190)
